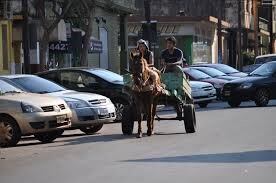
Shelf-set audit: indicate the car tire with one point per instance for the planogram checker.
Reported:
(189, 118)
(48, 137)
(234, 103)
(120, 105)
(10, 133)
(90, 130)
(128, 120)
(262, 97)
(203, 104)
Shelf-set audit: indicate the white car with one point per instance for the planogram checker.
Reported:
(90, 111)
(203, 93)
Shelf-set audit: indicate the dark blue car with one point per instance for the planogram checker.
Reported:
(258, 86)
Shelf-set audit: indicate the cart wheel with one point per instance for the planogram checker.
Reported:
(189, 118)
(128, 120)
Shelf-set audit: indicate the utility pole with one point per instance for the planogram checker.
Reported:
(256, 27)
(148, 20)
(26, 37)
(239, 63)
(271, 43)
(220, 33)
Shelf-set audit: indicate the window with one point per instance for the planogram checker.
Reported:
(51, 76)
(77, 79)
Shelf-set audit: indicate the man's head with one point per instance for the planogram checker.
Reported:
(171, 42)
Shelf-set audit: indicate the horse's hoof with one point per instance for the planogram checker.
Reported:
(149, 133)
(139, 135)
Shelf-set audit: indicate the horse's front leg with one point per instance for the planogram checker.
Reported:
(149, 120)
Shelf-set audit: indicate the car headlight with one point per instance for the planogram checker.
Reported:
(76, 104)
(218, 86)
(246, 85)
(28, 108)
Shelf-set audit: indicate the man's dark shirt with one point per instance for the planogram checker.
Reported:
(176, 56)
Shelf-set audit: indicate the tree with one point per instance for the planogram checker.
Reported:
(49, 23)
(83, 16)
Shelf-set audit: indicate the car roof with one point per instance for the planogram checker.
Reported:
(72, 68)
(17, 76)
(267, 55)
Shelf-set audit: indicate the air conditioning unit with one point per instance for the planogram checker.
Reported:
(6, 9)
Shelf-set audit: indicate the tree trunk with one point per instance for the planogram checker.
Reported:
(86, 41)
(43, 51)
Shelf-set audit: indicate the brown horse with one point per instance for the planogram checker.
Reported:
(146, 89)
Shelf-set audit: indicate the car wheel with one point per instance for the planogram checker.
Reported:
(119, 107)
(90, 130)
(203, 105)
(128, 120)
(189, 118)
(234, 103)
(48, 137)
(262, 98)
(10, 133)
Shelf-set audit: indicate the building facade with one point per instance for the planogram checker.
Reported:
(194, 26)
(108, 41)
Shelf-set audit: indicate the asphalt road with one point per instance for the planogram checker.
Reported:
(230, 146)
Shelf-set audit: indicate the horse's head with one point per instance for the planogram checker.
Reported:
(138, 63)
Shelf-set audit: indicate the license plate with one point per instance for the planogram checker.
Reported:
(103, 111)
(227, 93)
(61, 119)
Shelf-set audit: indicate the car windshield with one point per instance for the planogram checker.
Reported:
(37, 85)
(226, 69)
(107, 75)
(211, 71)
(8, 88)
(263, 60)
(264, 70)
(196, 74)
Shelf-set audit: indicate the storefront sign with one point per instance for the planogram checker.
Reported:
(60, 47)
(96, 46)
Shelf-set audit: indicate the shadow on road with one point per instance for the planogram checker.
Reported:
(237, 157)
(226, 107)
(93, 139)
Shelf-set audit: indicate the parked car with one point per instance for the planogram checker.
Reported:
(260, 60)
(203, 93)
(214, 73)
(196, 75)
(94, 80)
(226, 69)
(90, 111)
(258, 86)
(24, 113)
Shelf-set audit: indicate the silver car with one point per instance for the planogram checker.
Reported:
(24, 113)
(90, 111)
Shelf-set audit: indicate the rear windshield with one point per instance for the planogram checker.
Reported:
(264, 60)
(196, 74)
(35, 84)
(226, 69)
(211, 71)
(107, 75)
